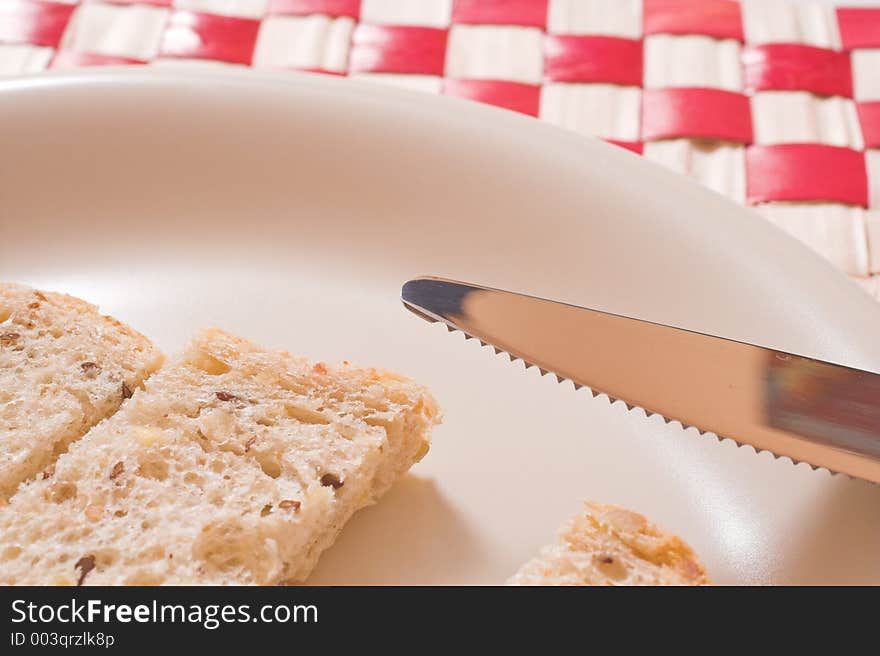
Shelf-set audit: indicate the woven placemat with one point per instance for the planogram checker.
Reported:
(773, 104)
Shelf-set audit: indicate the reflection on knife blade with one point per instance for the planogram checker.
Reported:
(825, 402)
(809, 410)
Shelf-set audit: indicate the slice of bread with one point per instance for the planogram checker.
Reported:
(235, 465)
(63, 368)
(607, 545)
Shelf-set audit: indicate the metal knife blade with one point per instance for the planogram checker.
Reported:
(825, 414)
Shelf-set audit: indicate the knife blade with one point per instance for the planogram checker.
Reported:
(810, 410)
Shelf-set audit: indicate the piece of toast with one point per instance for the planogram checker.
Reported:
(63, 368)
(235, 465)
(607, 545)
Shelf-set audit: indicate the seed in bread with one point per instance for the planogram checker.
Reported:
(63, 368)
(607, 545)
(235, 465)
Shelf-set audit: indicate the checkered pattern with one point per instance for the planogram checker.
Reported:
(772, 104)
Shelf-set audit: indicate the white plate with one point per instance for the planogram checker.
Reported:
(290, 209)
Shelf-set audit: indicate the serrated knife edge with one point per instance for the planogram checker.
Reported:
(783, 412)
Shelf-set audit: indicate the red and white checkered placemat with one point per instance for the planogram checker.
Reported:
(773, 104)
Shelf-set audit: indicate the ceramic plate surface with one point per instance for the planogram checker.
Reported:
(290, 210)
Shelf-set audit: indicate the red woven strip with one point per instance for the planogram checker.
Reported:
(37, 23)
(721, 19)
(208, 36)
(696, 112)
(636, 147)
(869, 117)
(791, 67)
(593, 59)
(397, 49)
(74, 59)
(806, 172)
(523, 98)
(351, 8)
(859, 27)
(530, 13)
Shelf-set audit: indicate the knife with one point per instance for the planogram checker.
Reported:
(825, 414)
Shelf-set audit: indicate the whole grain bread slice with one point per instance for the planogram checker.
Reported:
(63, 368)
(607, 545)
(235, 465)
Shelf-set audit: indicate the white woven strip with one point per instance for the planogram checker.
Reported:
(720, 167)
(801, 117)
(603, 110)
(866, 74)
(22, 59)
(692, 61)
(304, 42)
(600, 17)
(430, 13)
(837, 232)
(425, 83)
(241, 8)
(779, 21)
(497, 53)
(125, 31)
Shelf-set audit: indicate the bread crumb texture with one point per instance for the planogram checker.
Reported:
(63, 368)
(607, 545)
(234, 465)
